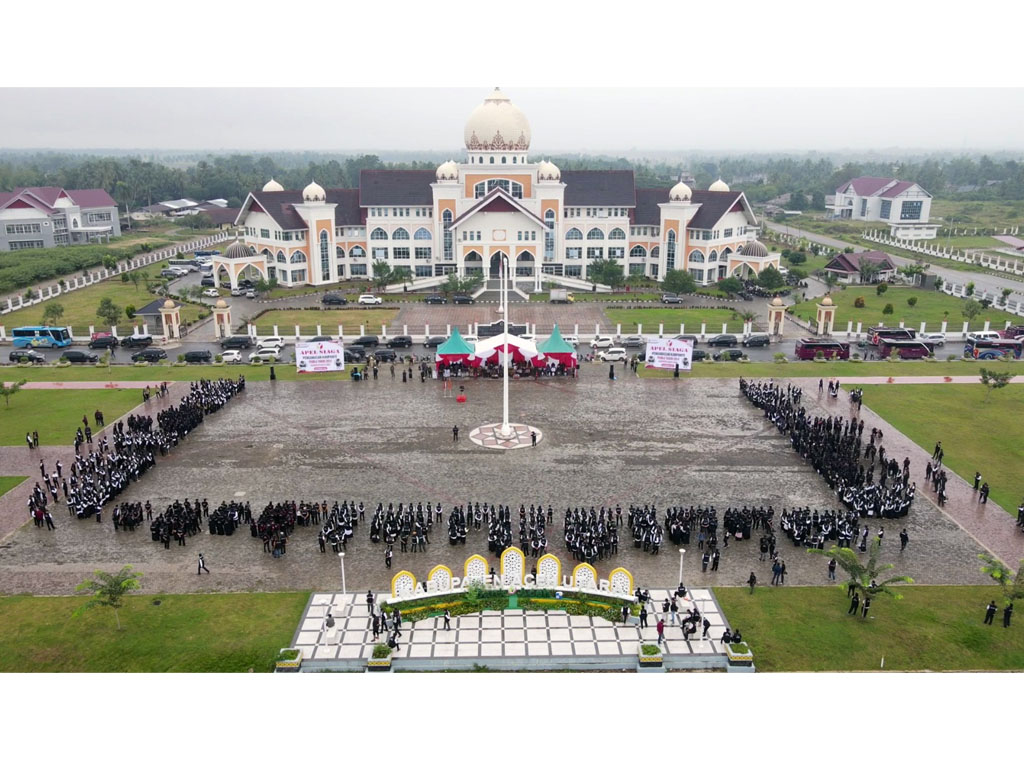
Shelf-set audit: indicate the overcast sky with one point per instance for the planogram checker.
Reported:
(561, 119)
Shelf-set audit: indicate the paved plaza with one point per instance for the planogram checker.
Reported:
(488, 636)
(662, 441)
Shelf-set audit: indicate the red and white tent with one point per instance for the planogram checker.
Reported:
(492, 350)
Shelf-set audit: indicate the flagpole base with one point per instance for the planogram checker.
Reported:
(491, 436)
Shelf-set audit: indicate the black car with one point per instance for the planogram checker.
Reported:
(321, 338)
(198, 356)
(334, 298)
(757, 340)
(136, 341)
(26, 356)
(207, 282)
(77, 356)
(236, 342)
(367, 341)
(385, 355)
(434, 298)
(698, 355)
(152, 355)
(722, 340)
(103, 342)
(400, 341)
(462, 299)
(434, 341)
(356, 353)
(246, 284)
(728, 355)
(686, 337)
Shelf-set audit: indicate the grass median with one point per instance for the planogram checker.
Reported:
(672, 319)
(55, 413)
(235, 632)
(7, 482)
(327, 319)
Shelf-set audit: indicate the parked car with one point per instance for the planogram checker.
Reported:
(77, 356)
(246, 284)
(213, 293)
(983, 336)
(265, 354)
(434, 341)
(634, 341)
(671, 298)
(367, 341)
(571, 338)
(470, 338)
(757, 340)
(237, 292)
(277, 342)
(612, 355)
(103, 342)
(528, 336)
(698, 355)
(399, 341)
(335, 299)
(602, 342)
(729, 355)
(462, 299)
(435, 298)
(686, 337)
(231, 356)
(385, 355)
(26, 356)
(357, 353)
(722, 340)
(321, 338)
(137, 340)
(251, 293)
(206, 281)
(938, 339)
(150, 355)
(198, 356)
(369, 298)
(171, 273)
(236, 342)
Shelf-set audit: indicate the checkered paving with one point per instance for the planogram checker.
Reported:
(492, 634)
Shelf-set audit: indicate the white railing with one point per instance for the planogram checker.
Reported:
(998, 263)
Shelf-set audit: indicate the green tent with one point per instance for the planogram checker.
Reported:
(558, 349)
(454, 350)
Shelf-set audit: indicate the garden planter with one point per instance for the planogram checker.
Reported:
(740, 655)
(649, 656)
(378, 665)
(290, 660)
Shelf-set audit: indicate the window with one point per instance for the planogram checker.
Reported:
(696, 257)
(341, 271)
(298, 258)
(573, 270)
(281, 258)
(339, 252)
(911, 209)
(636, 269)
(638, 252)
(400, 234)
(698, 274)
(713, 256)
(727, 232)
(885, 210)
(325, 255)
(574, 234)
(513, 188)
(595, 234)
(299, 276)
(422, 234)
(864, 207)
(549, 235)
(286, 236)
(574, 253)
(379, 253)
(616, 234)
(670, 250)
(424, 270)
(23, 229)
(423, 252)
(358, 270)
(446, 224)
(94, 217)
(595, 253)
(356, 252)
(616, 253)
(378, 234)
(504, 160)
(265, 234)
(400, 253)
(22, 245)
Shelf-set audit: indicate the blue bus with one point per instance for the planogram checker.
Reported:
(40, 336)
(993, 349)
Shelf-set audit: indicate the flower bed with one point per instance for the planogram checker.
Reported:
(380, 661)
(649, 655)
(289, 660)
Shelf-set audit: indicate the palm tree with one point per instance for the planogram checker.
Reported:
(1011, 583)
(864, 577)
(868, 271)
(108, 589)
(830, 280)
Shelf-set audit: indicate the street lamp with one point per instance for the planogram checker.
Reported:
(341, 555)
(682, 552)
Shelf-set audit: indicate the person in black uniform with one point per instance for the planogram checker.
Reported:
(643, 616)
(990, 612)
(1007, 614)
(854, 604)
(447, 619)
(202, 565)
(369, 600)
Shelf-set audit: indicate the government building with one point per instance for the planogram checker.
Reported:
(497, 202)
(44, 217)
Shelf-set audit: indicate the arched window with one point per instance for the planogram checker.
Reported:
(339, 252)
(512, 188)
(574, 234)
(549, 235)
(713, 256)
(446, 224)
(298, 258)
(356, 252)
(655, 252)
(696, 257)
(670, 250)
(637, 252)
(504, 160)
(616, 234)
(281, 258)
(378, 234)
(595, 234)
(325, 255)
(400, 234)
(422, 234)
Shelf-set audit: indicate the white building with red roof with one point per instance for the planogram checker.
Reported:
(497, 202)
(903, 205)
(43, 217)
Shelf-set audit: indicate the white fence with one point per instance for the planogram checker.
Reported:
(995, 262)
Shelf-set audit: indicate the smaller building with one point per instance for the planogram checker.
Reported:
(903, 205)
(44, 217)
(847, 266)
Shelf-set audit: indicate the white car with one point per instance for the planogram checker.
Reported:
(213, 293)
(612, 355)
(470, 338)
(266, 355)
(180, 270)
(602, 342)
(983, 336)
(272, 342)
(938, 339)
(369, 298)
(528, 336)
(231, 356)
(571, 338)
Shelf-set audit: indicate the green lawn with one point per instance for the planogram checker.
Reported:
(184, 633)
(10, 481)
(977, 435)
(812, 369)
(978, 213)
(929, 308)
(806, 629)
(80, 306)
(328, 319)
(672, 318)
(55, 414)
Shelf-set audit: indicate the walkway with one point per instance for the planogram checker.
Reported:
(533, 639)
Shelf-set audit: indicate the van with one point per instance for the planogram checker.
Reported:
(612, 355)
(983, 336)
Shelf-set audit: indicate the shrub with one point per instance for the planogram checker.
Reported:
(797, 258)
(381, 651)
(912, 301)
(951, 358)
(124, 277)
(218, 358)
(859, 302)
(181, 358)
(881, 288)
(819, 355)
(650, 650)
(129, 311)
(888, 310)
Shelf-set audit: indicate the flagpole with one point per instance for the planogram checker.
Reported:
(505, 429)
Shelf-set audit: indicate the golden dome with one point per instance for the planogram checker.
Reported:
(827, 301)
(777, 302)
(169, 304)
(497, 125)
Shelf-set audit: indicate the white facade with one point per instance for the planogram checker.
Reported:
(903, 205)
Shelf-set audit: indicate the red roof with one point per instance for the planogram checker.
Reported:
(850, 262)
(865, 186)
(83, 198)
(897, 188)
